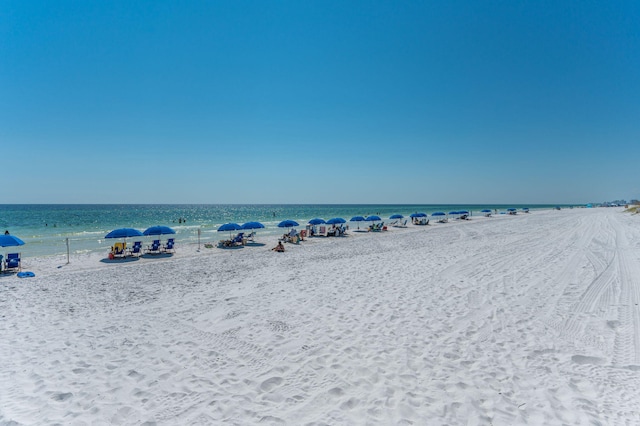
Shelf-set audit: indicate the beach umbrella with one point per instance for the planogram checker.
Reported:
(288, 224)
(396, 216)
(486, 211)
(158, 230)
(316, 221)
(124, 233)
(438, 214)
(372, 218)
(10, 241)
(335, 220)
(252, 225)
(230, 227)
(357, 219)
(418, 215)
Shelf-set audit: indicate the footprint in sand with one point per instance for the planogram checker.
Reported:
(61, 396)
(581, 359)
(271, 383)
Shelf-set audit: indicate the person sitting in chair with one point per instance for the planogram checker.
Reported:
(279, 247)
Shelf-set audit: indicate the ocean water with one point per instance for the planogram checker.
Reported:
(45, 228)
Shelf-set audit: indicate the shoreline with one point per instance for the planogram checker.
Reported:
(45, 228)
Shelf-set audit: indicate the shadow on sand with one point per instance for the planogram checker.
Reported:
(157, 255)
(120, 260)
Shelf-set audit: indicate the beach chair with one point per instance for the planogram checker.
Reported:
(136, 249)
(118, 250)
(238, 239)
(376, 227)
(13, 262)
(168, 248)
(401, 224)
(154, 248)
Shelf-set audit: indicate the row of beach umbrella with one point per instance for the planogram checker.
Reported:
(131, 232)
(231, 227)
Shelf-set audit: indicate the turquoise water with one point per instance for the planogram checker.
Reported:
(45, 228)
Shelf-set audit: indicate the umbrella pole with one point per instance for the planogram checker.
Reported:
(68, 261)
(198, 239)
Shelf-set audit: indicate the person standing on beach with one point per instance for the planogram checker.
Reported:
(6, 232)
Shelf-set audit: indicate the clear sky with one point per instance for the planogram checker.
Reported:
(319, 101)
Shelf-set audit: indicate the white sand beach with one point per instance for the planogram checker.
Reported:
(528, 319)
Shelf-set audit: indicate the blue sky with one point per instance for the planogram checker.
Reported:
(319, 101)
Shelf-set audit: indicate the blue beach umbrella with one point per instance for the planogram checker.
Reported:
(438, 214)
(288, 224)
(316, 221)
(357, 219)
(372, 218)
(230, 227)
(10, 241)
(252, 225)
(396, 216)
(158, 230)
(418, 215)
(336, 220)
(485, 211)
(124, 233)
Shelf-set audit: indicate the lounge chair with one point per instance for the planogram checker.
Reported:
(377, 227)
(168, 248)
(154, 248)
(238, 240)
(12, 263)
(136, 250)
(119, 250)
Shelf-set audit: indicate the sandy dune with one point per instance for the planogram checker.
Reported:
(532, 319)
